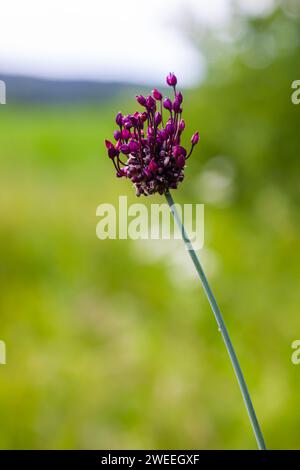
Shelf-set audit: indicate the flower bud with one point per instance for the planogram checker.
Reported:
(176, 105)
(157, 119)
(179, 97)
(133, 146)
(170, 128)
(125, 134)
(167, 104)
(117, 135)
(152, 166)
(112, 152)
(125, 149)
(171, 79)
(134, 120)
(122, 172)
(180, 161)
(119, 118)
(195, 138)
(157, 94)
(141, 100)
(181, 125)
(147, 172)
(178, 151)
(150, 102)
(163, 134)
(150, 131)
(127, 123)
(108, 144)
(143, 116)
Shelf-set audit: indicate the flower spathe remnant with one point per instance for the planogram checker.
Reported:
(147, 148)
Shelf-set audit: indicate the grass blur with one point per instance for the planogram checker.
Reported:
(112, 344)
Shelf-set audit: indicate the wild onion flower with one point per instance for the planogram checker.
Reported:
(148, 151)
(148, 147)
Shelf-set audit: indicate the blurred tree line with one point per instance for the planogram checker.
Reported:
(244, 108)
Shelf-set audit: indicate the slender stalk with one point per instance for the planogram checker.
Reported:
(222, 327)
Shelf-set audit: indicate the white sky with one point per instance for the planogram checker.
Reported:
(135, 40)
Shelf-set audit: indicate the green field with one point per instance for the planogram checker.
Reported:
(112, 344)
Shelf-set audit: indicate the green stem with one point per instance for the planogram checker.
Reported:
(222, 327)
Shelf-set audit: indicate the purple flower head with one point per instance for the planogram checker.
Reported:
(171, 79)
(148, 149)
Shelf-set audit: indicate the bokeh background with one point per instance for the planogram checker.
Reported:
(112, 344)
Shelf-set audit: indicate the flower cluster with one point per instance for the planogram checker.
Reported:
(147, 149)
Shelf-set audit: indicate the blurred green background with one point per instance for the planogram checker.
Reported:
(112, 344)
